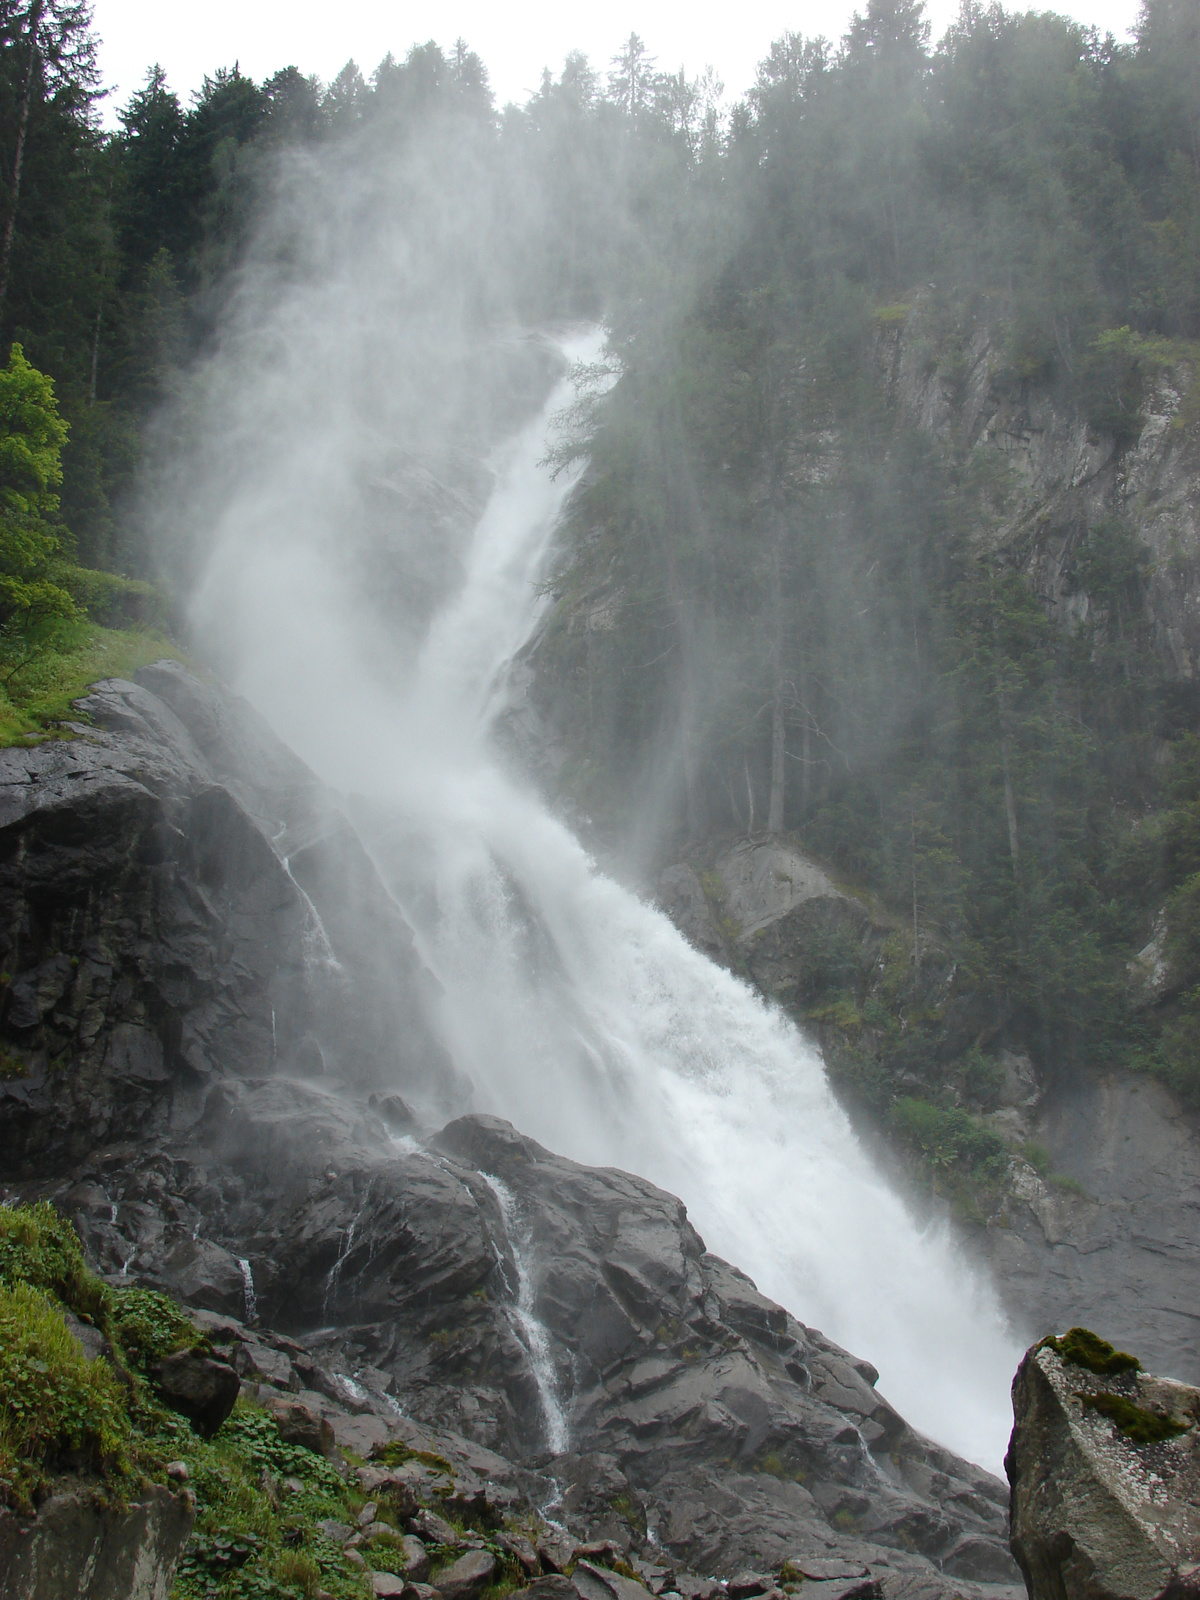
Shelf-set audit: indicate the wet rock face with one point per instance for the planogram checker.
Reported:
(217, 1065)
(1105, 1476)
(699, 1418)
(180, 902)
(73, 1547)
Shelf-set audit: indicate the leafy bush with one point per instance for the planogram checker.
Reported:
(149, 1326)
(950, 1137)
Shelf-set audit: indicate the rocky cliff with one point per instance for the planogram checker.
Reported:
(217, 1061)
(1062, 474)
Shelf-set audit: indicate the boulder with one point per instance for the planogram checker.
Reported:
(1104, 1466)
(467, 1576)
(74, 1547)
(300, 1423)
(414, 1559)
(387, 1586)
(518, 1546)
(598, 1583)
(427, 1525)
(204, 1389)
(552, 1587)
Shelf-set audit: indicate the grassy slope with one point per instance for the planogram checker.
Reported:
(36, 695)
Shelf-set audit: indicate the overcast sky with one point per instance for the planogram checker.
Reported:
(515, 39)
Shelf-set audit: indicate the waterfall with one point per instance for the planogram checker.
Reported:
(335, 1271)
(530, 1331)
(248, 1294)
(576, 1008)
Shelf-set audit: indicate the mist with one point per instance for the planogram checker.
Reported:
(361, 494)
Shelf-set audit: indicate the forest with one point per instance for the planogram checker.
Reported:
(780, 602)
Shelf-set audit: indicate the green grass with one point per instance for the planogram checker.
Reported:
(36, 691)
(58, 1407)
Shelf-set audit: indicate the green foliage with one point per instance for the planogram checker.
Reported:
(983, 1079)
(32, 435)
(1134, 1421)
(949, 1137)
(149, 1326)
(41, 685)
(40, 1250)
(1083, 1348)
(56, 1407)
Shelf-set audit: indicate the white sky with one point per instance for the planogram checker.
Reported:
(515, 39)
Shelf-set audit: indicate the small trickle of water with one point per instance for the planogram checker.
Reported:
(335, 1271)
(529, 1330)
(112, 1213)
(248, 1293)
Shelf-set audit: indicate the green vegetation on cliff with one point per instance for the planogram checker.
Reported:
(787, 600)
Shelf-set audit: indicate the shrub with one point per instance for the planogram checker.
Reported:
(950, 1137)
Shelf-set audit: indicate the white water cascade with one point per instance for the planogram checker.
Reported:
(576, 1008)
(530, 1331)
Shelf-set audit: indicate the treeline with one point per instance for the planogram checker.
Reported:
(783, 603)
(125, 245)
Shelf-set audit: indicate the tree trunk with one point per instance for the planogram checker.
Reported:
(35, 22)
(778, 732)
(1010, 808)
(912, 823)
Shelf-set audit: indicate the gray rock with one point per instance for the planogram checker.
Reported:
(552, 1587)
(599, 1583)
(745, 1584)
(387, 1585)
(555, 1550)
(1095, 1514)
(71, 1547)
(432, 1529)
(339, 1532)
(467, 1576)
(300, 1424)
(517, 1545)
(203, 1389)
(414, 1559)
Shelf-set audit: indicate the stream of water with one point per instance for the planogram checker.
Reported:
(576, 1008)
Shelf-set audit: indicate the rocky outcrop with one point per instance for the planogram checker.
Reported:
(1109, 1235)
(688, 1414)
(1061, 475)
(219, 1065)
(180, 902)
(1105, 1472)
(75, 1546)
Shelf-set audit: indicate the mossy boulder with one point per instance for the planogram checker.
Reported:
(1103, 1466)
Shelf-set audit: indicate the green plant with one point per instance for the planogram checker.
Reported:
(1037, 1156)
(949, 1137)
(150, 1325)
(40, 1249)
